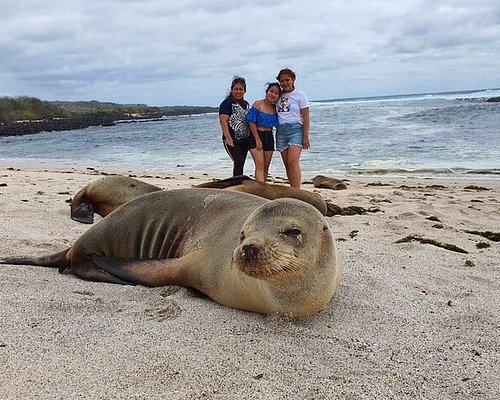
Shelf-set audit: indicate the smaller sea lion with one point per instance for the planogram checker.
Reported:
(326, 182)
(244, 184)
(105, 195)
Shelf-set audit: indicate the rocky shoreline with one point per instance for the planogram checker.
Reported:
(85, 121)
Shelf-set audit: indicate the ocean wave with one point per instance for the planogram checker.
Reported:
(471, 95)
(420, 171)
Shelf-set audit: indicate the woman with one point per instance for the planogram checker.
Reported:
(261, 119)
(232, 114)
(292, 134)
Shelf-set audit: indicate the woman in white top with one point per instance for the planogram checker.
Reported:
(292, 134)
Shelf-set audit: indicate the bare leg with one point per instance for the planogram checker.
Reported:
(258, 159)
(268, 155)
(291, 157)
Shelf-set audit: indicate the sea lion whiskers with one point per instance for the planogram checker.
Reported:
(265, 260)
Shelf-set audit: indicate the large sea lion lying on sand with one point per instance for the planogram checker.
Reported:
(271, 257)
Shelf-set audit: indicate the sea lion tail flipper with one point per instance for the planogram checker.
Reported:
(224, 183)
(332, 209)
(143, 272)
(52, 260)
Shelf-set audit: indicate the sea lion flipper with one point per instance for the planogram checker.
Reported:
(82, 211)
(142, 272)
(332, 209)
(225, 183)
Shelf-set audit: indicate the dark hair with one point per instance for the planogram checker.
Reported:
(271, 84)
(240, 80)
(286, 71)
(237, 80)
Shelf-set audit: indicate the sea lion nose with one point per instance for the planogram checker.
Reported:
(249, 250)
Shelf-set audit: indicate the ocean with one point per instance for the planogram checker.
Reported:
(454, 134)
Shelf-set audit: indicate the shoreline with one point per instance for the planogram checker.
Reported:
(409, 320)
(22, 128)
(274, 177)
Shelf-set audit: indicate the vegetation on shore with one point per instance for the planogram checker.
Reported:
(24, 115)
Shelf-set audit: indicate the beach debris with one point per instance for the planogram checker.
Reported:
(407, 187)
(435, 187)
(418, 238)
(354, 210)
(483, 245)
(493, 236)
(469, 263)
(449, 303)
(3, 184)
(380, 201)
(354, 233)
(432, 218)
(438, 226)
(378, 184)
(474, 187)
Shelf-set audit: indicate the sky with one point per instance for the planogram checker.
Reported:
(186, 52)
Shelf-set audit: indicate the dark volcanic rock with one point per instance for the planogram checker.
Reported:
(60, 124)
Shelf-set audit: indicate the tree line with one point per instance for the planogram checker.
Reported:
(27, 109)
(23, 108)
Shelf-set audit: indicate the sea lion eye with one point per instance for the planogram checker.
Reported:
(295, 232)
(242, 236)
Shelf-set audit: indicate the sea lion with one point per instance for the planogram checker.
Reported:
(242, 251)
(110, 192)
(271, 191)
(326, 182)
(105, 195)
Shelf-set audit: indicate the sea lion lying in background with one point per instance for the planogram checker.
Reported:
(271, 191)
(326, 182)
(250, 253)
(108, 193)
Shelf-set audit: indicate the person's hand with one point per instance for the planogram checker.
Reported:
(305, 143)
(230, 142)
(258, 144)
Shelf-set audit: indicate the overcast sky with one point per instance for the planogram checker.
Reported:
(185, 52)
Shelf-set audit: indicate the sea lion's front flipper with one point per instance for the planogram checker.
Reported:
(225, 183)
(82, 211)
(143, 272)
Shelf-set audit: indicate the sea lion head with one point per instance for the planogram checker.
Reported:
(288, 245)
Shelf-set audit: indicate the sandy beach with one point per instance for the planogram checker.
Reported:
(417, 315)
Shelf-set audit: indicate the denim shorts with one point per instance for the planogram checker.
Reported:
(289, 135)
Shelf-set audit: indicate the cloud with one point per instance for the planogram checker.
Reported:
(162, 53)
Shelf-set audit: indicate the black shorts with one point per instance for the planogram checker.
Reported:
(267, 139)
